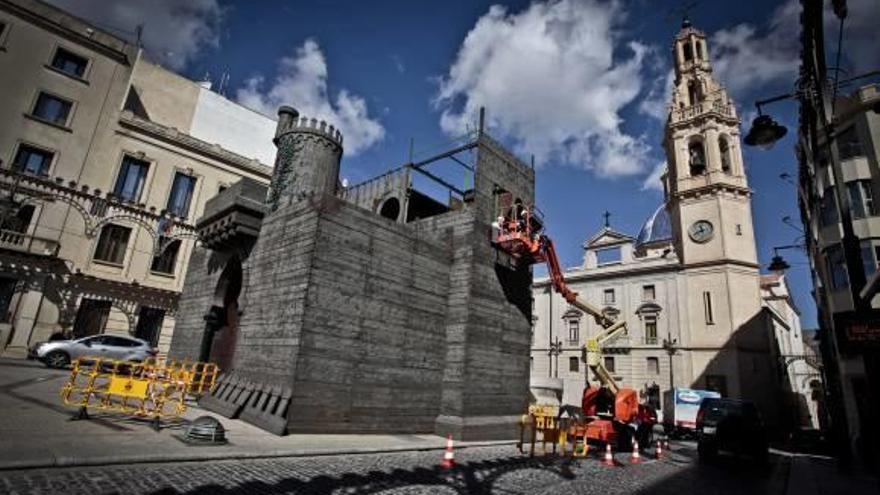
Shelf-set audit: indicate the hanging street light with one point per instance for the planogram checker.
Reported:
(765, 132)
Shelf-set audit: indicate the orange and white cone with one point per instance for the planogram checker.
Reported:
(609, 457)
(449, 455)
(658, 452)
(636, 457)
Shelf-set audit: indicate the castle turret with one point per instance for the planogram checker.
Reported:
(307, 162)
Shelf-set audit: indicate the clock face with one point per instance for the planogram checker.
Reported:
(701, 231)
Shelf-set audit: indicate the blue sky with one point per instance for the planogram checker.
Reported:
(580, 84)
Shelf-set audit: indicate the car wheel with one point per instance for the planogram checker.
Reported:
(57, 359)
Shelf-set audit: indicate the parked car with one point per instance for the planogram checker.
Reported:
(60, 353)
(730, 425)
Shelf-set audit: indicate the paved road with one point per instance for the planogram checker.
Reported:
(480, 470)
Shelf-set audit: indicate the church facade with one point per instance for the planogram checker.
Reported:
(688, 284)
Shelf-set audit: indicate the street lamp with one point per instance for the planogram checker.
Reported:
(670, 345)
(778, 263)
(555, 351)
(765, 132)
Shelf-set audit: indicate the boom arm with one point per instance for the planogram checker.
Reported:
(611, 330)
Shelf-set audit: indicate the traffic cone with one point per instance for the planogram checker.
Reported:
(666, 444)
(636, 457)
(658, 451)
(448, 456)
(609, 457)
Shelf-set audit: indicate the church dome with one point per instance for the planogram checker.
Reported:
(658, 228)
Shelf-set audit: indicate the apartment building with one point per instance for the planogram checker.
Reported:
(107, 160)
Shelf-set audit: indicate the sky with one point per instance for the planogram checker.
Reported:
(581, 85)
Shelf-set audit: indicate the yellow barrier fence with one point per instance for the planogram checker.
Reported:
(154, 389)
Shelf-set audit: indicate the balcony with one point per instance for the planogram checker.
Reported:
(709, 106)
(17, 241)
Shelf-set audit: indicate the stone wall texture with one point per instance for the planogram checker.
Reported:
(352, 322)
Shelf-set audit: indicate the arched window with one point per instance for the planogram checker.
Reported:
(688, 52)
(724, 148)
(697, 158)
(699, 50)
(390, 209)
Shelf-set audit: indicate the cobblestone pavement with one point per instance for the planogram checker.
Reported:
(496, 470)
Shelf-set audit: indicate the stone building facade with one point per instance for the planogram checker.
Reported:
(107, 160)
(688, 285)
(341, 313)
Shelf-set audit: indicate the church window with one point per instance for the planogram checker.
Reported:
(650, 330)
(648, 293)
(699, 50)
(861, 198)
(707, 308)
(739, 229)
(653, 366)
(609, 363)
(828, 208)
(609, 296)
(608, 256)
(836, 268)
(573, 364)
(697, 158)
(724, 147)
(573, 330)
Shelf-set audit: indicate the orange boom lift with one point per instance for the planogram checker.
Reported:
(608, 409)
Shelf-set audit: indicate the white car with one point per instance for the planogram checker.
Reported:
(59, 353)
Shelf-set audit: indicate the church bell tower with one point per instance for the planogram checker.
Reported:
(707, 185)
(709, 201)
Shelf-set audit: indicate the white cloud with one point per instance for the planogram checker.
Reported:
(656, 103)
(301, 81)
(746, 57)
(174, 32)
(653, 182)
(743, 58)
(398, 63)
(550, 83)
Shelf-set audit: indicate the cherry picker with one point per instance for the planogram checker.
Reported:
(610, 413)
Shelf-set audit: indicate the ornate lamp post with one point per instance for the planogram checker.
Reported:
(670, 345)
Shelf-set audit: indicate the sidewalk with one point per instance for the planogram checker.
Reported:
(811, 475)
(35, 432)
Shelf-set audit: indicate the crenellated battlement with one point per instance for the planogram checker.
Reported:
(289, 120)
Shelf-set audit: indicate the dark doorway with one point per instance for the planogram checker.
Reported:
(149, 325)
(91, 318)
(226, 296)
